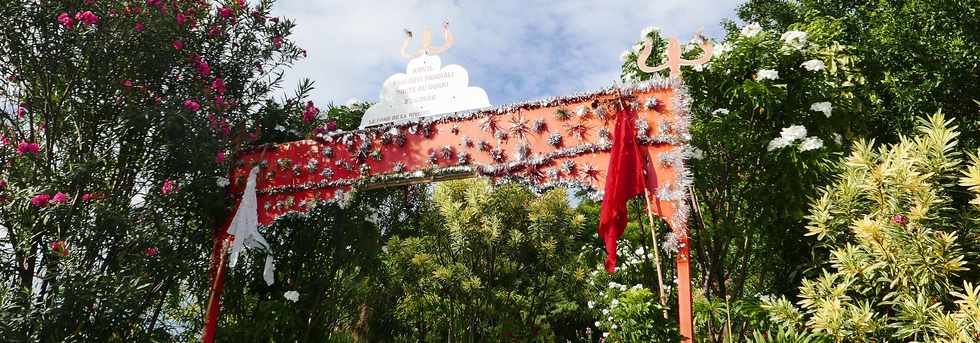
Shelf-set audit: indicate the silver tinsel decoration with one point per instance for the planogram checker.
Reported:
(538, 125)
(467, 142)
(433, 157)
(650, 103)
(488, 124)
(398, 167)
(519, 126)
(365, 169)
(463, 158)
(568, 167)
(327, 173)
(581, 111)
(500, 136)
(554, 139)
(497, 155)
(484, 146)
(601, 113)
(552, 173)
(447, 153)
(561, 114)
(328, 152)
(521, 152)
(311, 165)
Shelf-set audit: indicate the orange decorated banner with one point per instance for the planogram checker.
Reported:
(560, 142)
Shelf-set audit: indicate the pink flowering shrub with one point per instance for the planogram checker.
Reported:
(109, 102)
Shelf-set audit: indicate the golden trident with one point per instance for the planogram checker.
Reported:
(674, 60)
(427, 48)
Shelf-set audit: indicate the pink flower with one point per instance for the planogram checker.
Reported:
(154, 2)
(3, 184)
(59, 198)
(177, 44)
(151, 251)
(138, 27)
(900, 219)
(28, 148)
(86, 197)
(277, 41)
(202, 67)
(21, 112)
(192, 105)
(40, 200)
(258, 16)
(60, 247)
(331, 125)
(225, 12)
(66, 20)
(127, 83)
(169, 186)
(220, 157)
(87, 17)
(310, 112)
(218, 85)
(214, 31)
(181, 19)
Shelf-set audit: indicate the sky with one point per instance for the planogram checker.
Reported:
(516, 50)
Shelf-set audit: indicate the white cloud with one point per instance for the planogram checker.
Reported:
(516, 50)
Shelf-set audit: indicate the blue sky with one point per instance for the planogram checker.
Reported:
(515, 50)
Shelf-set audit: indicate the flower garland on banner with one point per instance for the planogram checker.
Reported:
(344, 161)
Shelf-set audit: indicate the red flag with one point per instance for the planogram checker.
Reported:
(624, 180)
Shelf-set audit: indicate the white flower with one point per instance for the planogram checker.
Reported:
(722, 49)
(824, 107)
(624, 56)
(222, 182)
(793, 133)
(596, 324)
(811, 143)
(813, 65)
(794, 39)
(280, 128)
(778, 143)
(838, 139)
(767, 74)
(292, 296)
(591, 304)
(605, 334)
(614, 303)
(751, 30)
(696, 154)
(637, 286)
(720, 111)
(614, 326)
(605, 312)
(639, 251)
(648, 30)
(637, 47)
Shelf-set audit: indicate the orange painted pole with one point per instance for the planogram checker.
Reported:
(684, 309)
(217, 287)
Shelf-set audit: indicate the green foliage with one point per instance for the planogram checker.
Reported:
(899, 245)
(497, 264)
(635, 316)
(116, 112)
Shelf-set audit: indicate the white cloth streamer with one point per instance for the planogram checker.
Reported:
(245, 228)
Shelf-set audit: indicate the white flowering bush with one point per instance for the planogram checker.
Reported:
(767, 110)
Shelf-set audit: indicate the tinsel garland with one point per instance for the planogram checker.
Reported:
(674, 133)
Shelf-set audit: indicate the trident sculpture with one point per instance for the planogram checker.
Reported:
(427, 48)
(674, 60)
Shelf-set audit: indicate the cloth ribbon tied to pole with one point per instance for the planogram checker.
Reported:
(245, 229)
(624, 180)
